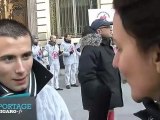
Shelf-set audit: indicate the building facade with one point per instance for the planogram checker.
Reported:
(70, 16)
(20, 10)
(105, 4)
(46, 17)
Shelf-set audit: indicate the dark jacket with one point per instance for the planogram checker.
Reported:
(152, 111)
(97, 76)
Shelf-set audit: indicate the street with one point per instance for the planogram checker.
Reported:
(72, 97)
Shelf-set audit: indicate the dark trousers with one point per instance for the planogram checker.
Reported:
(98, 115)
(99, 110)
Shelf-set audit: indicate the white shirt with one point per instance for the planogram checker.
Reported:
(78, 54)
(67, 57)
(36, 50)
(53, 54)
(50, 105)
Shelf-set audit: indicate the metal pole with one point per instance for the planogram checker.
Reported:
(74, 17)
(58, 18)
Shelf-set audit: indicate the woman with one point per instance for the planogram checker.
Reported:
(136, 33)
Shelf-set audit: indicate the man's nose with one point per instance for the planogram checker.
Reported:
(20, 66)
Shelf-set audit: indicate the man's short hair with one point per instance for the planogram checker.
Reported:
(12, 28)
(66, 35)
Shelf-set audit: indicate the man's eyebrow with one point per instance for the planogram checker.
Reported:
(7, 56)
(28, 52)
(10, 55)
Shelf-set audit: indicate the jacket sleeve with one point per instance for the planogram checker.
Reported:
(87, 65)
(78, 53)
(65, 53)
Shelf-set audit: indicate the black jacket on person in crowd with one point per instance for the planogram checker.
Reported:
(152, 111)
(100, 82)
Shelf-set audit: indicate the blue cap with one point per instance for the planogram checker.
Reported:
(100, 22)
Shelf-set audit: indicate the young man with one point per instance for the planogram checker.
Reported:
(69, 58)
(21, 74)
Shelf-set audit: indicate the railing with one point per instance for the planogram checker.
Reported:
(73, 16)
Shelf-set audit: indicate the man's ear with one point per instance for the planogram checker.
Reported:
(156, 58)
(99, 31)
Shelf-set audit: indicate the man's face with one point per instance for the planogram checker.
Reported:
(105, 31)
(53, 38)
(15, 62)
(35, 42)
(69, 37)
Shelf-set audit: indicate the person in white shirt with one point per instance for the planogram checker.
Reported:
(45, 58)
(53, 54)
(77, 55)
(69, 59)
(36, 50)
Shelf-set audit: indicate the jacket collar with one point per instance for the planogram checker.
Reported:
(106, 41)
(152, 111)
(42, 75)
(91, 39)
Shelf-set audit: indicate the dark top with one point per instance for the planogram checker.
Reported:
(96, 70)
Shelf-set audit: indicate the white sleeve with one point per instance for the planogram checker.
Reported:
(47, 47)
(62, 47)
(78, 53)
(50, 105)
(34, 52)
(66, 53)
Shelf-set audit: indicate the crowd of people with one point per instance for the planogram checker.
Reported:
(49, 54)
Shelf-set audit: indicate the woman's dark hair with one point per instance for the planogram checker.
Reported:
(141, 20)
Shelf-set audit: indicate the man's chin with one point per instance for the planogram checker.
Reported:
(22, 88)
(137, 99)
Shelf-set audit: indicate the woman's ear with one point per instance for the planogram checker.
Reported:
(156, 58)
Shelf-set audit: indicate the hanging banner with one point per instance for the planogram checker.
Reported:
(106, 14)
